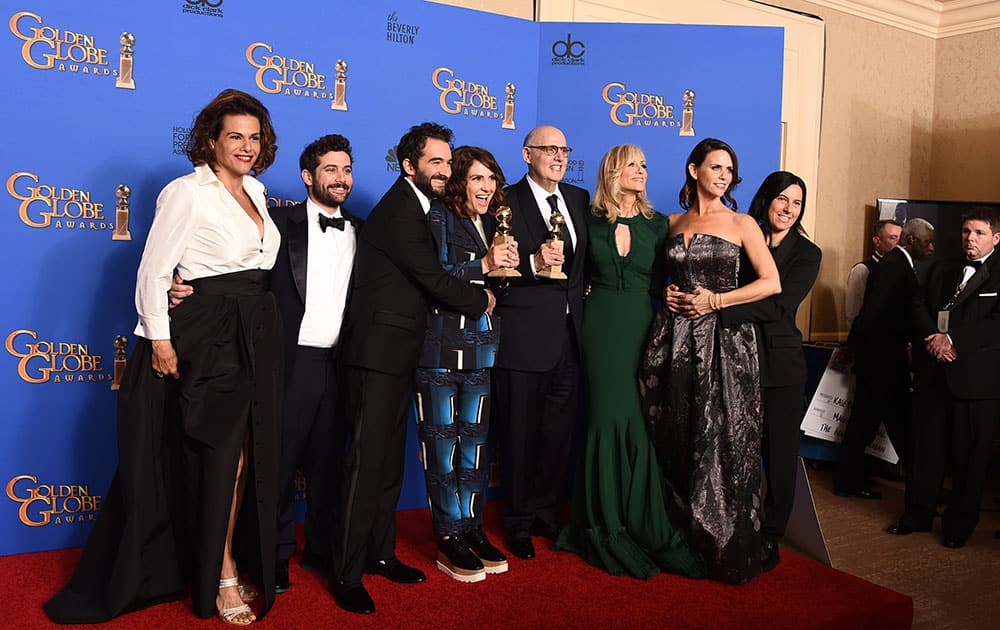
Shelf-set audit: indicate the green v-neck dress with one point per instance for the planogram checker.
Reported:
(620, 516)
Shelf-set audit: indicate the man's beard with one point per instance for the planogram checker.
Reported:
(425, 186)
(325, 198)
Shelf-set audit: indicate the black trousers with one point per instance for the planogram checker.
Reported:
(377, 405)
(783, 407)
(881, 394)
(535, 421)
(312, 438)
(944, 425)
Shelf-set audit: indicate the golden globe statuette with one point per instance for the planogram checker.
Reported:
(121, 342)
(340, 87)
(554, 272)
(122, 195)
(124, 79)
(508, 110)
(502, 236)
(687, 118)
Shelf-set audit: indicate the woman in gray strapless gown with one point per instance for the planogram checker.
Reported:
(699, 382)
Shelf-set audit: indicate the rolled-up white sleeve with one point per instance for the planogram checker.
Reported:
(173, 224)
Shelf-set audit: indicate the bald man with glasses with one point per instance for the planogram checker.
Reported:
(536, 376)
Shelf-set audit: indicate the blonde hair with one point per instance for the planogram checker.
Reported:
(609, 189)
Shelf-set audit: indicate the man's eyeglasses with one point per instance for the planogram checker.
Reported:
(551, 149)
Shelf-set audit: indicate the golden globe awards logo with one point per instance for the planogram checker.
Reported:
(637, 109)
(60, 207)
(468, 98)
(49, 504)
(65, 50)
(54, 361)
(281, 74)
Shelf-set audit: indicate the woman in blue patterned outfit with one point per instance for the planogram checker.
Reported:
(453, 377)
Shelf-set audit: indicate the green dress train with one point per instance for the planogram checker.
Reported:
(619, 516)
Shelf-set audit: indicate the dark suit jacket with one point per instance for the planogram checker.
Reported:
(452, 340)
(974, 327)
(288, 277)
(396, 277)
(534, 309)
(882, 330)
(779, 342)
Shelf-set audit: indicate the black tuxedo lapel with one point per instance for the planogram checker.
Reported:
(298, 248)
(982, 275)
(537, 230)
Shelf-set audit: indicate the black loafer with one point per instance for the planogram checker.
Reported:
(769, 555)
(395, 571)
(521, 547)
(905, 529)
(354, 599)
(952, 542)
(281, 582)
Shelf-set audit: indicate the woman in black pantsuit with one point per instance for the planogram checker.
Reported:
(779, 206)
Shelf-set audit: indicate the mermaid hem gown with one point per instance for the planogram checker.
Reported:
(620, 516)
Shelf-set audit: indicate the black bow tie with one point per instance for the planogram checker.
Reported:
(334, 222)
(975, 264)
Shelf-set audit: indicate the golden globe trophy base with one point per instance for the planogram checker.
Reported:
(503, 272)
(553, 272)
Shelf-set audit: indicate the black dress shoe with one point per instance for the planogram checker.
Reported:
(863, 493)
(904, 529)
(281, 583)
(521, 547)
(395, 571)
(769, 555)
(953, 542)
(316, 562)
(541, 528)
(492, 558)
(354, 599)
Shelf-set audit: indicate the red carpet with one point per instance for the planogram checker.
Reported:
(556, 589)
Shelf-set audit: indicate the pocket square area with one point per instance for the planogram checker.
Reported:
(994, 294)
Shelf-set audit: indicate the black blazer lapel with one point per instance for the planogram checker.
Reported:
(298, 248)
(538, 232)
(976, 281)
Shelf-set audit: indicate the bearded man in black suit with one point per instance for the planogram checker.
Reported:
(536, 376)
(956, 398)
(398, 276)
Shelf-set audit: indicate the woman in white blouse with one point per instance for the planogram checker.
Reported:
(198, 410)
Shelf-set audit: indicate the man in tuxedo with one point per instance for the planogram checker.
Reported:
(310, 281)
(537, 372)
(956, 398)
(879, 340)
(311, 284)
(397, 276)
(885, 238)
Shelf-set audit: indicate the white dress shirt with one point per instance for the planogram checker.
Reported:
(201, 230)
(329, 261)
(542, 199)
(425, 203)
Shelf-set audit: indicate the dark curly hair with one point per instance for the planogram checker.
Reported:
(456, 192)
(208, 126)
(309, 159)
(689, 192)
(411, 145)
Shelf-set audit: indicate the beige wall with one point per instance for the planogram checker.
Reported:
(904, 115)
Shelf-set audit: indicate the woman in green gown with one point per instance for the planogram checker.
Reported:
(620, 516)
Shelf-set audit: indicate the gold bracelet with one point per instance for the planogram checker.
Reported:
(719, 302)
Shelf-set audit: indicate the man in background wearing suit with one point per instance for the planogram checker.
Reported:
(879, 340)
(310, 281)
(397, 276)
(884, 239)
(537, 372)
(956, 398)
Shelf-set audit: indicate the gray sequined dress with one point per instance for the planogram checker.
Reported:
(700, 390)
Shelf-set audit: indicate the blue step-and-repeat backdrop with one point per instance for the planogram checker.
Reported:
(100, 98)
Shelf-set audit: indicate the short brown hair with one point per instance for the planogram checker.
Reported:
(983, 213)
(208, 126)
(456, 192)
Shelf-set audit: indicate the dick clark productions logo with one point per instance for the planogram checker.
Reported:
(568, 52)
